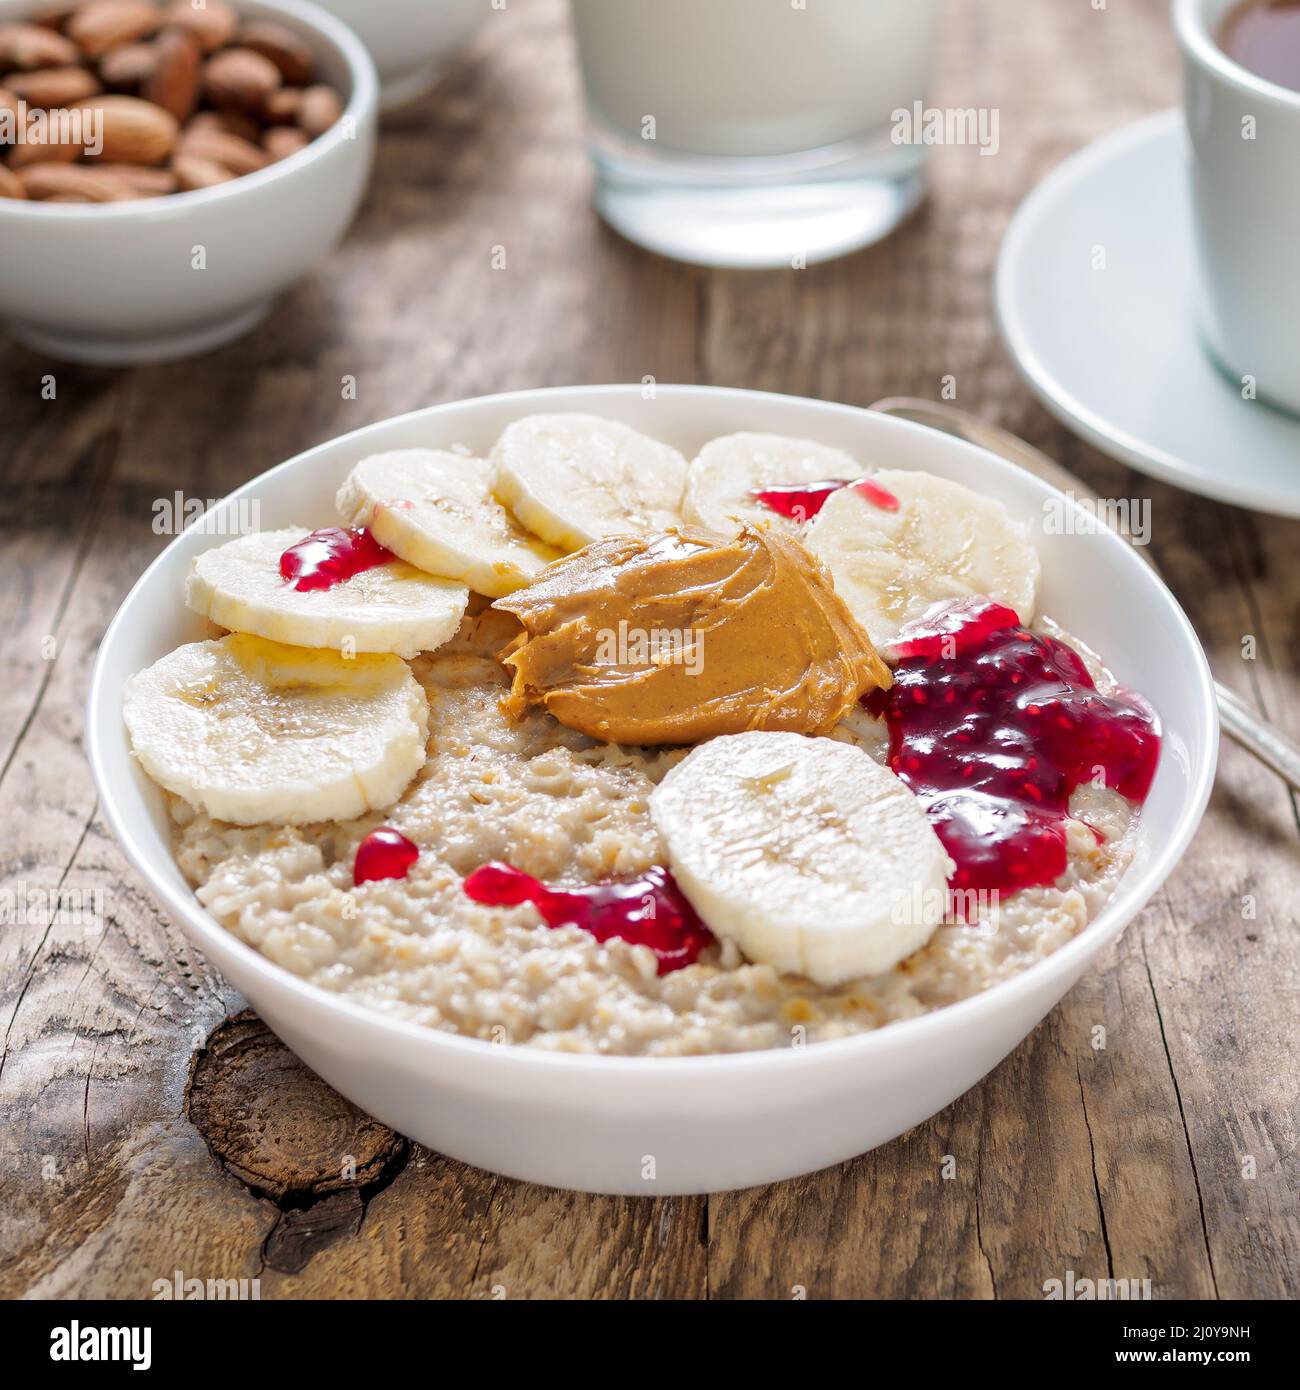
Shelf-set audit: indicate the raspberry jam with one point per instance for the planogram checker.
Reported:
(963, 625)
(802, 501)
(875, 494)
(649, 910)
(384, 853)
(331, 556)
(993, 727)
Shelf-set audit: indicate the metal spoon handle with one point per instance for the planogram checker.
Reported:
(1270, 745)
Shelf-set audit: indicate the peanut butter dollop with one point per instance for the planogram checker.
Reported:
(685, 634)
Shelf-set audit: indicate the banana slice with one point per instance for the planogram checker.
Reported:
(436, 510)
(390, 608)
(942, 541)
(575, 478)
(805, 852)
(727, 472)
(255, 732)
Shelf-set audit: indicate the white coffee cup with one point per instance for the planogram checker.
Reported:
(1245, 179)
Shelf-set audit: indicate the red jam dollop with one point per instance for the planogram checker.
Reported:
(649, 910)
(875, 494)
(384, 853)
(802, 501)
(993, 727)
(952, 629)
(331, 556)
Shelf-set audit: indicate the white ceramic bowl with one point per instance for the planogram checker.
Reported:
(708, 1123)
(117, 283)
(411, 41)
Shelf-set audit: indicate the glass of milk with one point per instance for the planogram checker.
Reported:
(755, 132)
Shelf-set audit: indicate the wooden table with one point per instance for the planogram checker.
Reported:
(1170, 1154)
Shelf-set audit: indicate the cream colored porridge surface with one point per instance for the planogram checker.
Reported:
(557, 805)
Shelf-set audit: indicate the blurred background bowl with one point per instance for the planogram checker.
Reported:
(167, 277)
(411, 41)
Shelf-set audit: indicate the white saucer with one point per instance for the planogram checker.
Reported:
(1115, 354)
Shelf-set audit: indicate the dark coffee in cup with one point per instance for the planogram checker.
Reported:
(1264, 37)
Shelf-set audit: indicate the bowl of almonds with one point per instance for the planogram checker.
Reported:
(167, 167)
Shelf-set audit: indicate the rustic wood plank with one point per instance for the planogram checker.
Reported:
(1121, 1161)
(1223, 962)
(547, 1244)
(54, 461)
(99, 1016)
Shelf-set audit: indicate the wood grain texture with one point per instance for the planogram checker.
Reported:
(1167, 1153)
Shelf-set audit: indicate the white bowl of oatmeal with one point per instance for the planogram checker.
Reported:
(548, 1055)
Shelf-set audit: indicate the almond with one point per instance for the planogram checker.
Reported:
(55, 18)
(11, 186)
(104, 24)
(174, 82)
(144, 181)
(283, 140)
(193, 172)
(51, 180)
(159, 61)
(213, 24)
(281, 108)
(129, 66)
(287, 50)
(319, 110)
(51, 151)
(232, 122)
(240, 78)
(134, 131)
(220, 147)
(34, 46)
(46, 87)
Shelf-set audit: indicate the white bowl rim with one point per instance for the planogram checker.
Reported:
(362, 105)
(1109, 923)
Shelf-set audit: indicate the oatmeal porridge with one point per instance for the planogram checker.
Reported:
(646, 896)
